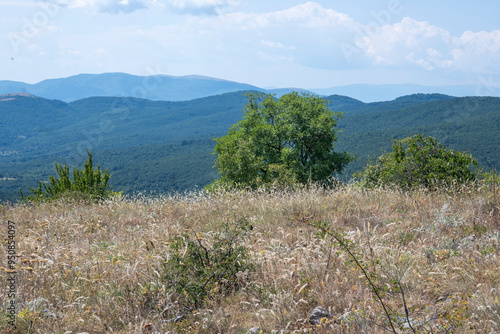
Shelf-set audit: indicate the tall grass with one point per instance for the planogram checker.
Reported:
(97, 268)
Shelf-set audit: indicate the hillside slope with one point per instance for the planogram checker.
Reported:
(468, 124)
(165, 146)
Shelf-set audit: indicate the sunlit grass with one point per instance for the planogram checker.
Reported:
(98, 268)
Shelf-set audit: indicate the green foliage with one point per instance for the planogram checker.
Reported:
(457, 123)
(173, 157)
(491, 178)
(163, 167)
(87, 184)
(419, 161)
(199, 268)
(286, 140)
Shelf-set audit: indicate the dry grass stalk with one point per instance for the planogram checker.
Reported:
(98, 268)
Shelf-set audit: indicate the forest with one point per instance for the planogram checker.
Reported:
(158, 146)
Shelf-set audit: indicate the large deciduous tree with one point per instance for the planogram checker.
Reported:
(285, 140)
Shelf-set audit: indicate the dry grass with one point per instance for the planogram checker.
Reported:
(98, 268)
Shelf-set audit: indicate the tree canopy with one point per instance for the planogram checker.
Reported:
(285, 140)
(420, 161)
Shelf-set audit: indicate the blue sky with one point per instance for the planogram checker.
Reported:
(307, 44)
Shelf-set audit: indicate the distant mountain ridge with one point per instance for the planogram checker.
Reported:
(374, 93)
(184, 88)
(155, 87)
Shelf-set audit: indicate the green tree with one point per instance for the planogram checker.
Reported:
(420, 161)
(87, 184)
(285, 140)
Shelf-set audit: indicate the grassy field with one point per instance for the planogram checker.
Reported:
(432, 257)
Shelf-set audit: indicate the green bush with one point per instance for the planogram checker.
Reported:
(88, 184)
(199, 268)
(419, 161)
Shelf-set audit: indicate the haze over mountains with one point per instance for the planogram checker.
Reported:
(158, 87)
(167, 146)
(183, 88)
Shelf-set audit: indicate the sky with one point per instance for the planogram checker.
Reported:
(267, 43)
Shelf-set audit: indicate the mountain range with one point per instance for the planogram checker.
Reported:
(374, 93)
(183, 88)
(167, 146)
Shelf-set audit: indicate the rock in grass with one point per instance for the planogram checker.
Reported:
(317, 314)
(37, 304)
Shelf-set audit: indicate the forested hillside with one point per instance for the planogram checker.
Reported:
(468, 124)
(166, 146)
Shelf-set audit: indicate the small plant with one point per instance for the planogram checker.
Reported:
(491, 178)
(199, 268)
(89, 184)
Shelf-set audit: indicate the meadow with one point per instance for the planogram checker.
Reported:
(432, 256)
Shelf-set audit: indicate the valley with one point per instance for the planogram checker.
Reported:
(165, 146)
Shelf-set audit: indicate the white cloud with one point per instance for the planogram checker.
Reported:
(477, 51)
(18, 3)
(420, 44)
(111, 6)
(272, 44)
(198, 3)
(310, 15)
(308, 34)
(198, 7)
(306, 38)
(407, 41)
(181, 6)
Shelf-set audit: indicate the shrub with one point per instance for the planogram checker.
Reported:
(199, 268)
(87, 184)
(419, 161)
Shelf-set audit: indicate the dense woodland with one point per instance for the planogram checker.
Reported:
(157, 146)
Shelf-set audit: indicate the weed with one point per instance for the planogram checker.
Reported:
(200, 266)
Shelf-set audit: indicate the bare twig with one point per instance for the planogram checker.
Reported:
(329, 256)
(373, 287)
(204, 249)
(407, 313)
